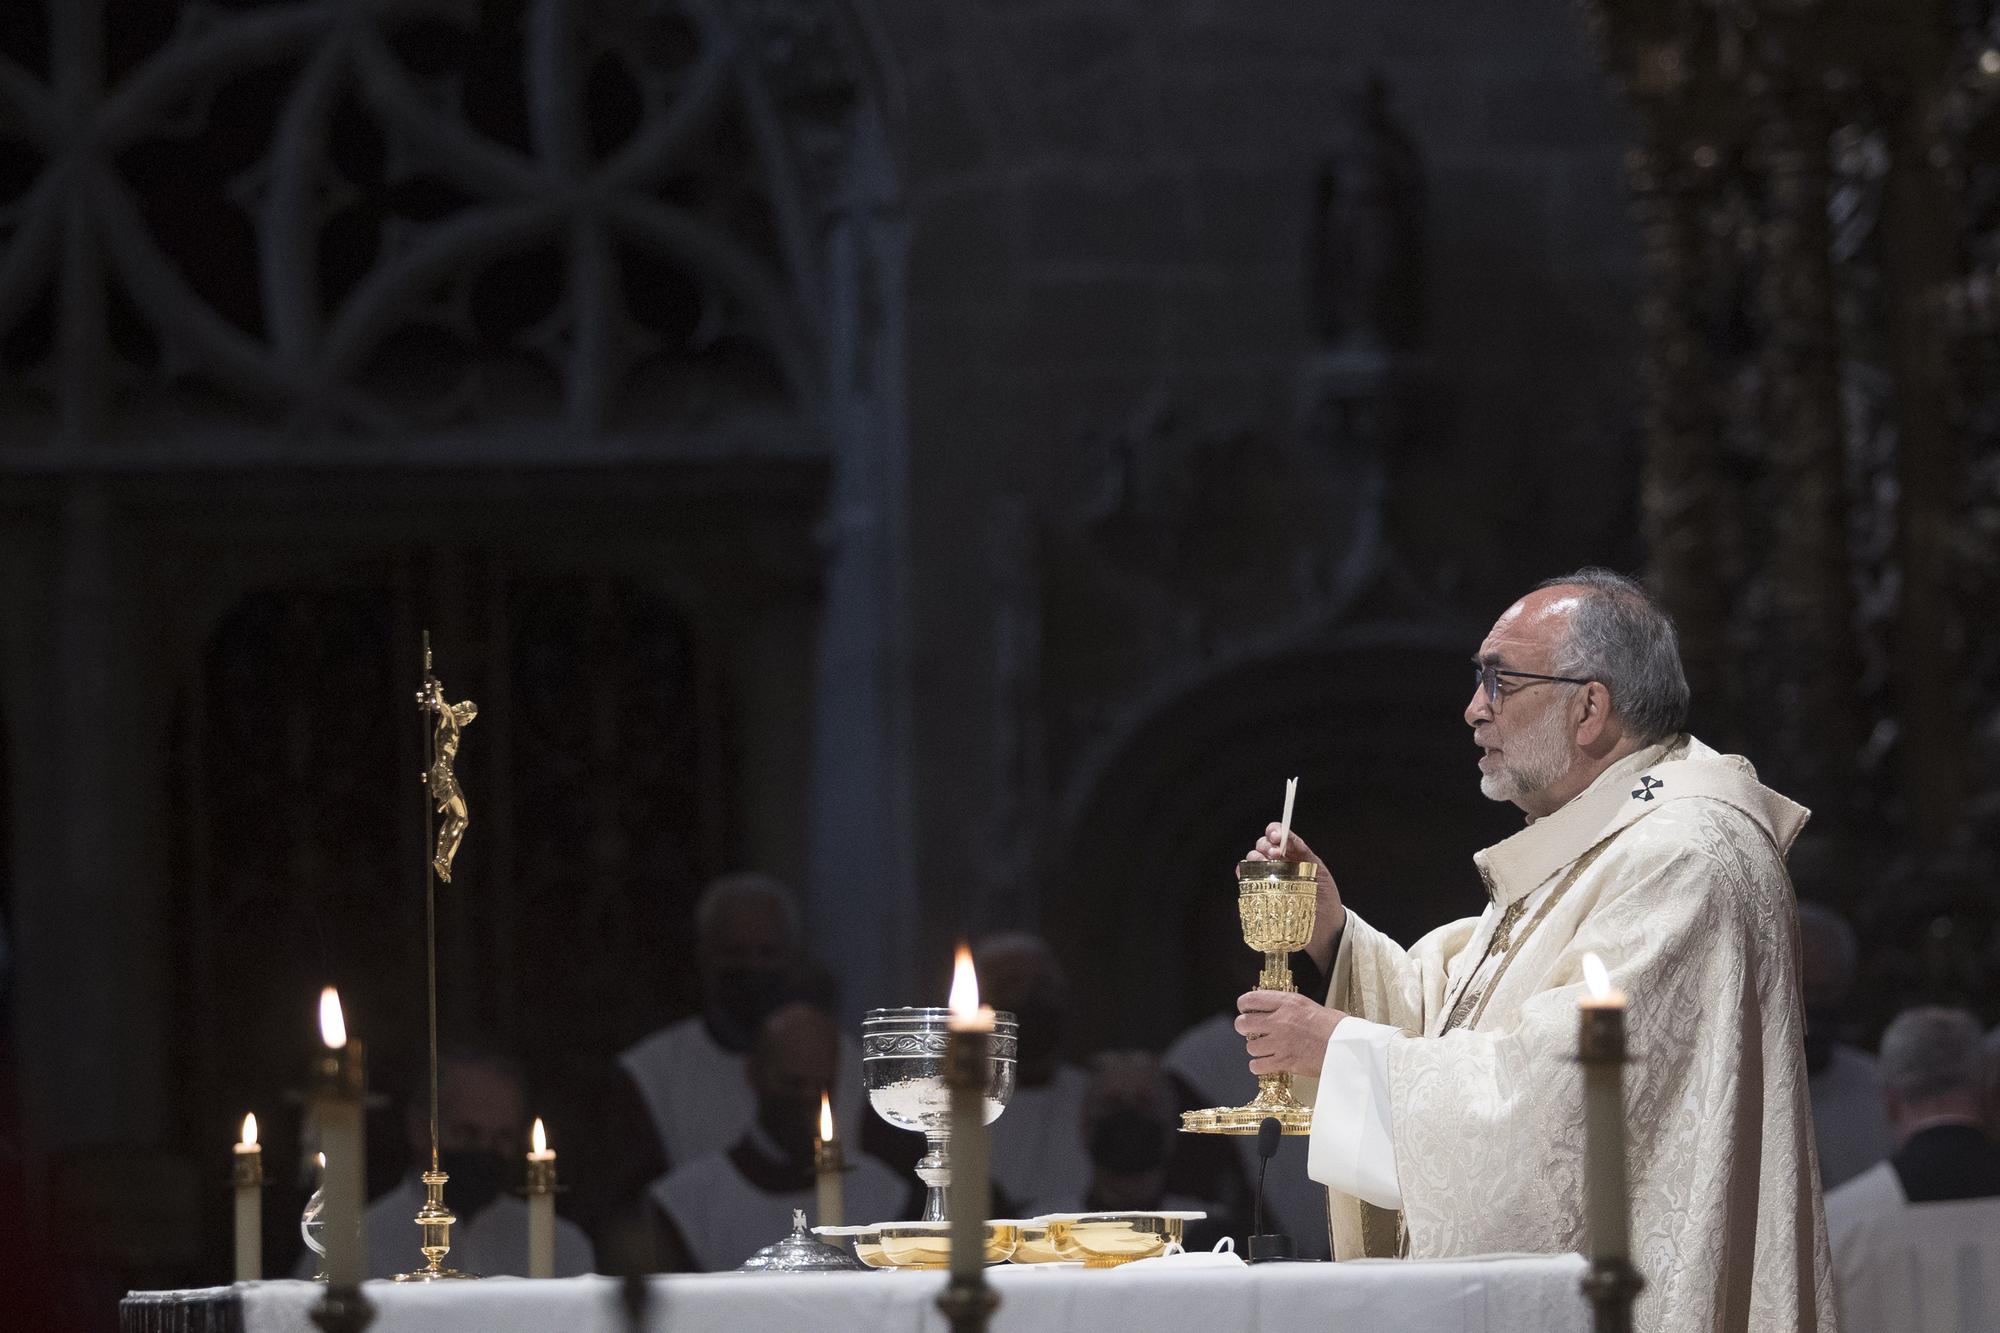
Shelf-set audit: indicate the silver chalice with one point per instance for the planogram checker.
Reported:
(902, 1066)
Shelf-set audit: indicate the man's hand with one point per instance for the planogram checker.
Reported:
(1284, 1033)
(1329, 916)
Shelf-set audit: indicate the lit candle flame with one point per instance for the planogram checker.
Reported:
(964, 999)
(250, 1130)
(322, 1160)
(825, 1118)
(1596, 977)
(539, 1137)
(332, 1027)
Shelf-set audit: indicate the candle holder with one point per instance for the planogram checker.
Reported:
(1276, 901)
(903, 1067)
(338, 1087)
(967, 1301)
(434, 1222)
(1612, 1283)
(343, 1310)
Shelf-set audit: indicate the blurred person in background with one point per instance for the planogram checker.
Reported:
(721, 1207)
(1038, 1151)
(1849, 1126)
(1916, 1239)
(482, 1146)
(1130, 1128)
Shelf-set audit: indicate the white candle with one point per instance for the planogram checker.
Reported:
(1601, 1048)
(827, 1193)
(337, 1085)
(965, 1071)
(541, 1204)
(249, 1204)
(1285, 824)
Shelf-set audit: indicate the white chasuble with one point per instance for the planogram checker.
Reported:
(1464, 1107)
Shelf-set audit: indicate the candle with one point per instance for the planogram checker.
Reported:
(335, 1087)
(1285, 824)
(967, 1013)
(541, 1204)
(1601, 1050)
(827, 1167)
(249, 1204)
(965, 1072)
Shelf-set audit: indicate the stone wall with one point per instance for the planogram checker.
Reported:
(1110, 204)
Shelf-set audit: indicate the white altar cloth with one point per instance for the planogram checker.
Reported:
(1499, 1295)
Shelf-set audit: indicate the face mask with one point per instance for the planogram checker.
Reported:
(476, 1179)
(1040, 1032)
(739, 1001)
(791, 1123)
(1127, 1143)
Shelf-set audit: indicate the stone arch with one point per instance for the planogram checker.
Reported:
(1143, 883)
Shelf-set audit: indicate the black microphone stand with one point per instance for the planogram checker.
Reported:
(1266, 1246)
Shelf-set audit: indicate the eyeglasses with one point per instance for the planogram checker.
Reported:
(1487, 675)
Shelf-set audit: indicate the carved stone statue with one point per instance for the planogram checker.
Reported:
(1366, 248)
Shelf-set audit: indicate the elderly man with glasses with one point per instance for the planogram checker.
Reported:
(1448, 1105)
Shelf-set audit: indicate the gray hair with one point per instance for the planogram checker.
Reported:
(1930, 1051)
(747, 886)
(1620, 635)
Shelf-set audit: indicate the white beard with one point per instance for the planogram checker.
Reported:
(1531, 761)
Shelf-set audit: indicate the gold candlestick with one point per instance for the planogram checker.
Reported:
(337, 1087)
(827, 1166)
(1612, 1282)
(968, 1302)
(541, 1204)
(442, 796)
(249, 1180)
(1276, 901)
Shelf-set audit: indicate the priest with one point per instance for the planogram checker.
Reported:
(1448, 1106)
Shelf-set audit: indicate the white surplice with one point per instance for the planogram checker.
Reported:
(1849, 1124)
(1903, 1267)
(1038, 1156)
(699, 1094)
(724, 1218)
(1454, 1096)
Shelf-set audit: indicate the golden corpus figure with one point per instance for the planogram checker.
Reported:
(452, 719)
(1276, 900)
(441, 786)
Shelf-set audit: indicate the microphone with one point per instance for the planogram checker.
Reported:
(1267, 1246)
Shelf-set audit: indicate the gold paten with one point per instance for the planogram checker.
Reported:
(1276, 901)
(441, 786)
(922, 1245)
(1035, 1245)
(1106, 1240)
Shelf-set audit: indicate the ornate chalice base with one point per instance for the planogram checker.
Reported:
(1276, 901)
(902, 1067)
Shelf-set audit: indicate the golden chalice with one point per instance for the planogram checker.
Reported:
(1276, 901)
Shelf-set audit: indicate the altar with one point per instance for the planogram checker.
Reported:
(1499, 1294)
